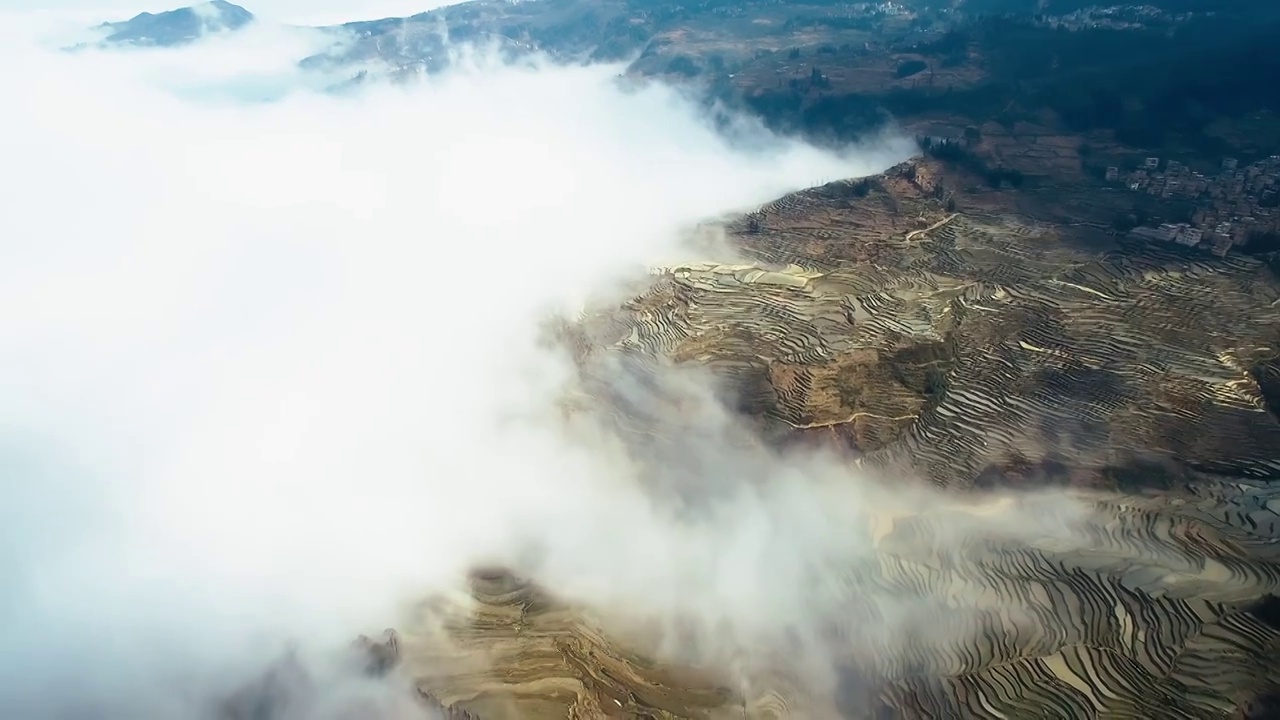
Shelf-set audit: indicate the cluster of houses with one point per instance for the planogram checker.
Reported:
(1231, 205)
(1114, 17)
(880, 8)
(840, 10)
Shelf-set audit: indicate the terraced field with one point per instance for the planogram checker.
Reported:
(1162, 616)
(965, 354)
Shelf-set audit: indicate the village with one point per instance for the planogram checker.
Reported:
(1232, 206)
(1115, 17)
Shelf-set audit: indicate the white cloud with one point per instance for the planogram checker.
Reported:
(333, 12)
(259, 360)
(297, 12)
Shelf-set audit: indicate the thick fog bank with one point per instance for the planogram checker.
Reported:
(270, 369)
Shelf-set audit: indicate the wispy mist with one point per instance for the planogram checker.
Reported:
(292, 12)
(269, 358)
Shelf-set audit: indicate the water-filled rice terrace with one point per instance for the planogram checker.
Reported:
(979, 356)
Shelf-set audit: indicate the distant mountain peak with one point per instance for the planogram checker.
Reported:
(177, 27)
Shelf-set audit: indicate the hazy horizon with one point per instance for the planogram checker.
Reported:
(293, 12)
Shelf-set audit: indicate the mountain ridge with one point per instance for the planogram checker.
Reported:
(173, 28)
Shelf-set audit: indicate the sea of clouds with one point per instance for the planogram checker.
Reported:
(290, 12)
(270, 358)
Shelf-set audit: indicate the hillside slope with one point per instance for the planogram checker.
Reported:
(936, 348)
